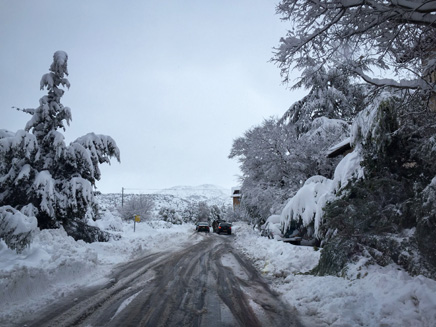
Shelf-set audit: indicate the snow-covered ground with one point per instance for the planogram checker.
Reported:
(55, 265)
(371, 296)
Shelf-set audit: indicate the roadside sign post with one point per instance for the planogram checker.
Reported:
(137, 220)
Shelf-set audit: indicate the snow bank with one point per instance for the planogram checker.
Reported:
(274, 258)
(53, 264)
(369, 296)
(381, 297)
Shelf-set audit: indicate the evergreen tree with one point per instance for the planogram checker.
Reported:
(332, 94)
(37, 168)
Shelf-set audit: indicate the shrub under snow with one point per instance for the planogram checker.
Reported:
(306, 207)
(16, 228)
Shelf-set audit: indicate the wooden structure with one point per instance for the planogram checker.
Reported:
(236, 195)
(342, 148)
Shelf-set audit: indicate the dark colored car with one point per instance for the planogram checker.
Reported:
(216, 223)
(202, 227)
(224, 228)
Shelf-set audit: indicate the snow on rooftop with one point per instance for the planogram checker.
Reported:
(338, 146)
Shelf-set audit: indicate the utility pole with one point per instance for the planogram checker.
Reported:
(122, 197)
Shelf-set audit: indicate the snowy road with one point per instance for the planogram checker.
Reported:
(205, 284)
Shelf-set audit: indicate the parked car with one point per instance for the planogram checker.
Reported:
(271, 228)
(224, 228)
(216, 223)
(202, 227)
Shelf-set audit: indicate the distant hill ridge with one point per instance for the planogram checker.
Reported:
(206, 190)
(178, 197)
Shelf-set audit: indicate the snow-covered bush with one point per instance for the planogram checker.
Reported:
(239, 213)
(16, 228)
(198, 211)
(108, 222)
(37, 167)
(140, 205)
(170, 215)
(305, 207)
(305, 210)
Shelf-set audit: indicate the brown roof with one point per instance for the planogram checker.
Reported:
(339, 148)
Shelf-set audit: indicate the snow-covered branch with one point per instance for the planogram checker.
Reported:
(397, 35)
(388, 82)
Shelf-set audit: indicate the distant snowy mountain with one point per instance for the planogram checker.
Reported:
(177, 197)
(211, 194)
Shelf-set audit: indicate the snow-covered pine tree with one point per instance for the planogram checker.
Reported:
(37, 168)
(332, 94)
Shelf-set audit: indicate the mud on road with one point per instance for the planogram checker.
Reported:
(206, 284)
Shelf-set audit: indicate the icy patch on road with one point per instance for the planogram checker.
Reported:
(125, 303)
(229, 260)
(226, 316)
(258, 311)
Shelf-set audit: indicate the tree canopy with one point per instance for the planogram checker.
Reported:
(394, 37)
(275, 161)
(332, 94)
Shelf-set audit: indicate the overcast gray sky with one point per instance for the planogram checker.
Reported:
(173, 82)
